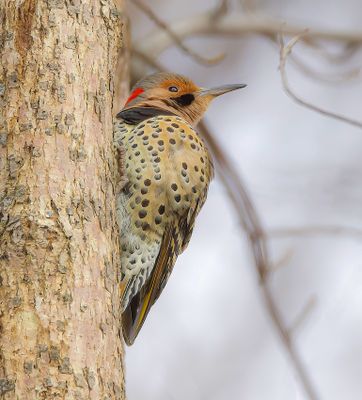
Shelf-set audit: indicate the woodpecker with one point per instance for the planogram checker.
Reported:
(167, 170)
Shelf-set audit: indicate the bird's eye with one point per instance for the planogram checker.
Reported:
(173, 89)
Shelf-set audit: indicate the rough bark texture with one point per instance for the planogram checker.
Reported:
(59, 315)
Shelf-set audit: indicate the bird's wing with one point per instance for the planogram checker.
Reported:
(174, 242)
(137, 310)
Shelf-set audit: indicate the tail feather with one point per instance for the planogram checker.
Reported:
(139, 306)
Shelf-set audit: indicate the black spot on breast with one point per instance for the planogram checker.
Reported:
(172, 141)
(147, 182)
(174, 187)
(145, 203)
(142, 213)
(161, 209)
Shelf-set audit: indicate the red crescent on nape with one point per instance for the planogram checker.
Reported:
(134, 94)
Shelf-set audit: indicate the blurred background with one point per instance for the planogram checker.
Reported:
(210, 336)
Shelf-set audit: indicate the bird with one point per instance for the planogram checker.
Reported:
(166, 170)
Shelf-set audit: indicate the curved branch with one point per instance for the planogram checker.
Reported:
(334, 230)
(249, 219)
(284, 53)
(236, 25)
(174, 38)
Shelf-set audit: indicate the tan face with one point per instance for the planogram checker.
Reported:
(176, 94)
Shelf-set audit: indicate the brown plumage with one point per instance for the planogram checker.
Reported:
(168, 170)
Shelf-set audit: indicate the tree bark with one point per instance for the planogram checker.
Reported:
(59, 259)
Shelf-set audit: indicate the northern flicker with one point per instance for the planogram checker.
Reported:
(168, 170)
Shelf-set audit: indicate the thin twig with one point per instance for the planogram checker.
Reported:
(285, 50)
(174, 37)
(341, 77)
(308, 307)
(336, 78)
(315, 230)
(221, 9)
(236, 25)
(347, 52)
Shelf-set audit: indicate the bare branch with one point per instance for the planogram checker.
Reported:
(175, 39)
(221, 9)
(348, 50)
(249, 219)
(315, 230)
(237, 25)
(284, 53)
(340, 77)
(336, 78)
(283, 260)
(308, 307)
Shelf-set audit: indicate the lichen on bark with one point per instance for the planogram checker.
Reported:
(59, 314)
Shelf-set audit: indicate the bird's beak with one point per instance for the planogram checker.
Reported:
(217, 91)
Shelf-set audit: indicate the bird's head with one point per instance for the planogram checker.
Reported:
(174, 94)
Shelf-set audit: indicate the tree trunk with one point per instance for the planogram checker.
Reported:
(59, 297)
